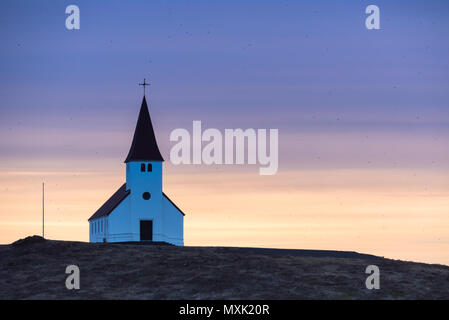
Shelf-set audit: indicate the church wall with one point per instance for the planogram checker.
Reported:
(119, 224)
(98, 229)
(173, 223)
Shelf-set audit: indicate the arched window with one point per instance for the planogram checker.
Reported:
(142, 167)
(150, 167)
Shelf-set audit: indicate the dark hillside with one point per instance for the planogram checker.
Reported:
(34, 268)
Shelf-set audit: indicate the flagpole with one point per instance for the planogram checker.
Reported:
(43, 210)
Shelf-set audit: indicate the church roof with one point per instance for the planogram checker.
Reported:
(173, 204)
(117, 198)
(111, 203)
(144, 146)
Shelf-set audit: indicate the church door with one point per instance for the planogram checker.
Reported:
(146, 230)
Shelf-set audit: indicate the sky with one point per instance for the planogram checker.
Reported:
(363, 118)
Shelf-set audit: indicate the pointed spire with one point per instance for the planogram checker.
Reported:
(144, 146)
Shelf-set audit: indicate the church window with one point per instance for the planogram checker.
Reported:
(142, 167)
(150, 167)
(146, 195)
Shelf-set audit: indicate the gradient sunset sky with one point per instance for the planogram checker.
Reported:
(363, 118)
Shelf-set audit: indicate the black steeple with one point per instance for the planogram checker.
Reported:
(144, 146)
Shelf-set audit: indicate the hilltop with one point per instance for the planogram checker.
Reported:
(34, 268)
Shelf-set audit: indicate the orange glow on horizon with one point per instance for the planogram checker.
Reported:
(399, 214)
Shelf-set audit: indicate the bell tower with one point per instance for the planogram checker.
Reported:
(144, 176)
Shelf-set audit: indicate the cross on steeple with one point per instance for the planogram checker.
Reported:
(144, 84)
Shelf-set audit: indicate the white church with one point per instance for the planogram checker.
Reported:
(139, 210)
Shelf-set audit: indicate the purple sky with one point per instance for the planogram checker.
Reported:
(299, 67)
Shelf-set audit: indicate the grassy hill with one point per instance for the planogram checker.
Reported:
(34, 268)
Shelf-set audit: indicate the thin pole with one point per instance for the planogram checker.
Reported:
(43, 210)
